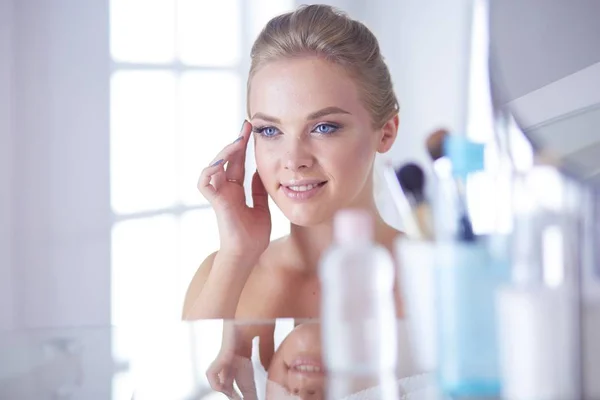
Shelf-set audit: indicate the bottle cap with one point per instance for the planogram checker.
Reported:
(465, 155)
(352, 226)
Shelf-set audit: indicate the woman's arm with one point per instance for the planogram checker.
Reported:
(216, 288)
(244, 233)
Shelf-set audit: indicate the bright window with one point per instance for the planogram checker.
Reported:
(177, 97)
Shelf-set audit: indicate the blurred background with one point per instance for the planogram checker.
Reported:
(109, 109)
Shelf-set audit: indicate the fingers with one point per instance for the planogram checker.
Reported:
(260, 198)
(205, 182)
(236, 163)
(220, 378)
(234, 155)
(212, 374)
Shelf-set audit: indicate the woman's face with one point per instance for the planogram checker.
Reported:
(297, 365)
(314, 140)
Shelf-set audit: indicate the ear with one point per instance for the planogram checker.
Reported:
(389, 131)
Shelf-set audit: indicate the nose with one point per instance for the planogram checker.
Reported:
(297, 154)
(307, 388)
(308, 393)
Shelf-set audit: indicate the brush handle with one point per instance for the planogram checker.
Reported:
(423, 217)
(465, 227)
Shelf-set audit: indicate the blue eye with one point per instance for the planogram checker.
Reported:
(267, 131)
(326, 129)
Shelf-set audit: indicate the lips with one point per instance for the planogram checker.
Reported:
(305, 366)
(302, 189)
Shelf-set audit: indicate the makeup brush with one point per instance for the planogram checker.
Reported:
(412, 180)
(411, 226)
(435, 144)
(435, 147)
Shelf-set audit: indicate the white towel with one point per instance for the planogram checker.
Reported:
(252, 381)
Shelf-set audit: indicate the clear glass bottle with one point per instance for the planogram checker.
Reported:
(358, 313)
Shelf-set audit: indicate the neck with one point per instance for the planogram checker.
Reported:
(311, 242)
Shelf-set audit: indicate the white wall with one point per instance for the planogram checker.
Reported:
(428, 66)
(6, 163)
(62, 215)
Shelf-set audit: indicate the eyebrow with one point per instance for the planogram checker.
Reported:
(315, 115)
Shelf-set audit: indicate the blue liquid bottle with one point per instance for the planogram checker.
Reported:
(467, 276)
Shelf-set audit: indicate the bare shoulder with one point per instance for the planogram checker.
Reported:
(270, 258)
(270, 285)
(197, 282)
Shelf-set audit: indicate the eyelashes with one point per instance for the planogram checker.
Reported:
(322, 129)
(266, 131)
(328, 128)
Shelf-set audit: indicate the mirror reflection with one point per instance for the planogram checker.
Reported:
(548, 73)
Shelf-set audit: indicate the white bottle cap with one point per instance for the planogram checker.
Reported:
(352, 226)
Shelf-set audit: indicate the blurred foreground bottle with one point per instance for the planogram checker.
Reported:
(358, 313)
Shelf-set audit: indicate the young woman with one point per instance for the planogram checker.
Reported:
(321, 106)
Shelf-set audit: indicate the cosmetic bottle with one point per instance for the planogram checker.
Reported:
(537, 324)
(358, 313)
(467, 275)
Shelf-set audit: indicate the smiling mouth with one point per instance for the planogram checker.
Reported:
(307, 365)
(302, 191)
(306, 368)
(305, 188)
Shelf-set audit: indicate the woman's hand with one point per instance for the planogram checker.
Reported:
(233, 366)
(244, 231)
(221, 372)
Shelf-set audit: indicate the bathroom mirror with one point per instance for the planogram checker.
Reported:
(262, 360)
(546, 70)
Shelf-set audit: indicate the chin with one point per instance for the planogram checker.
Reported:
(307, 215)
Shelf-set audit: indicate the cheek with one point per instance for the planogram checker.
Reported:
(350, 159)
(266, 158)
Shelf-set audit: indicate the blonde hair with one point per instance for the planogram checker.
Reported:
(327, 32)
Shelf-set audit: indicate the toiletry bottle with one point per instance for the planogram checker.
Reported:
(537, 326)
(358, 316)
(467, 279)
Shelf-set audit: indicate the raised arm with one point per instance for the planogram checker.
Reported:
(244, 234)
